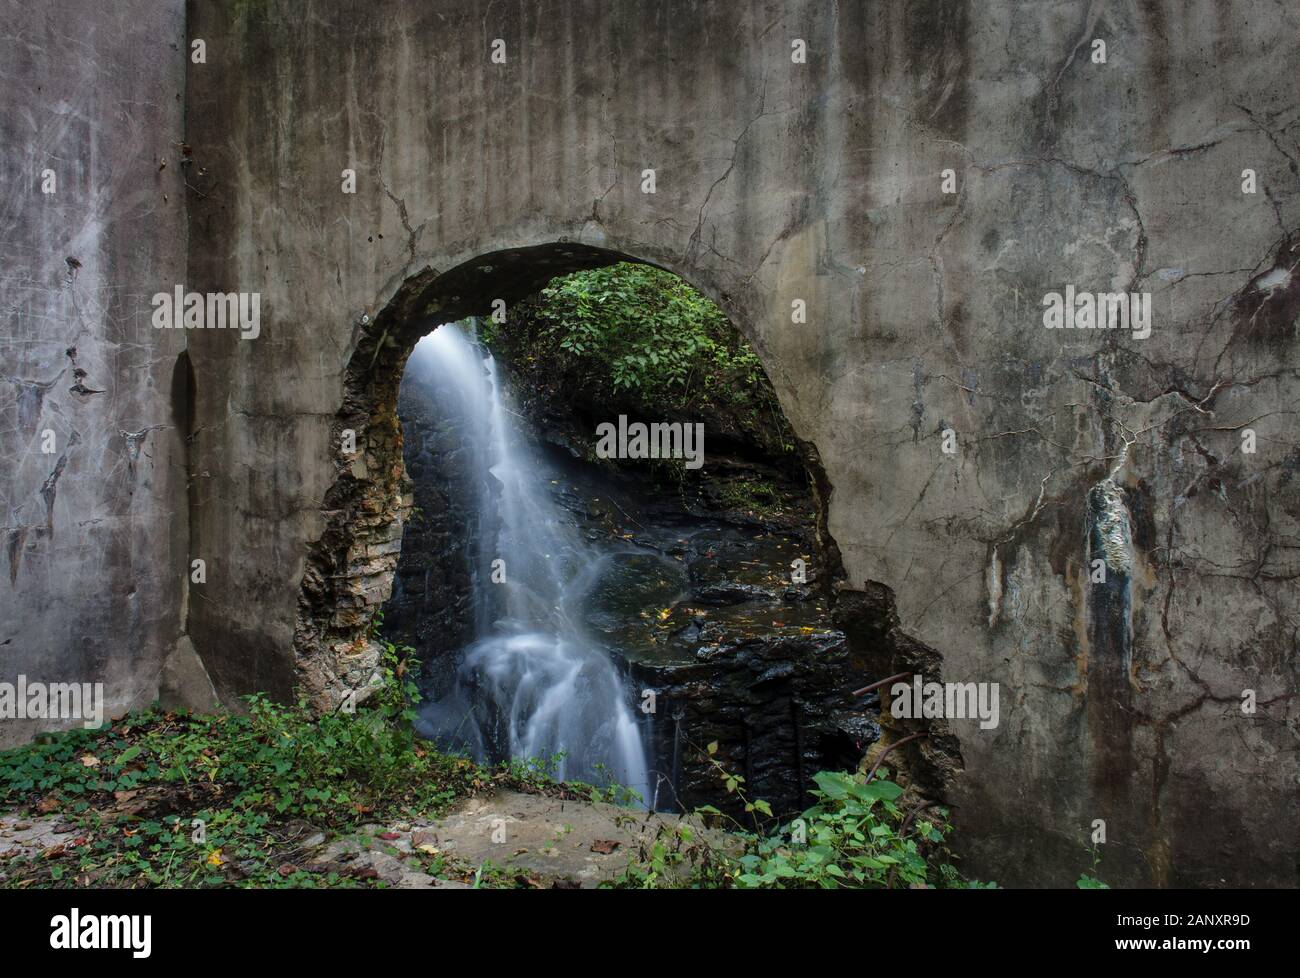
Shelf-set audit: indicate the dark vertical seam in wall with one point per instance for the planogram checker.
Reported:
(187, 436)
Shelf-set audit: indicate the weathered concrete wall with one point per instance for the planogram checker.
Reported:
(820, 181)
(93, 537)
(776, 181)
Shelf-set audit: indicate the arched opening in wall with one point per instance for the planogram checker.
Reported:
(574, 495)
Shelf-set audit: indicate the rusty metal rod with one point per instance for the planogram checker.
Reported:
(907, 822)
(885, 753)
(876, 685)
(889, 881)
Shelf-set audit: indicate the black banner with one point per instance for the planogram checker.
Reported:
(147, 928)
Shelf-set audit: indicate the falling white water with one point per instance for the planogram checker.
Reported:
(532, 684)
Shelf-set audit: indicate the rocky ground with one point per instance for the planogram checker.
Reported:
(507, 838)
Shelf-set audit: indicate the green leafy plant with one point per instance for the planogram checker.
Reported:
(649, 329)
(1093, 881)
(244, 778)
(641, 339)
(674, 856)
(852, 837)
(856, 836)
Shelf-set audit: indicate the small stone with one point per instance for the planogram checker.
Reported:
(424, 841)
(416, 881)
(381, 865)
(337, 851)
(729, 593)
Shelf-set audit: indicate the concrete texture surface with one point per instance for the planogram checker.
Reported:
(776, 181)
(94, 529)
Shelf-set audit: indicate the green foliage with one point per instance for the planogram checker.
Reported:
(289, 761)
(609, 793)
(640, 337)
(536, 772)
(750, 494)
(1094, 881)
(53, 760)
(856, 836)
(642, 327)
(646, 326)
(851, 838)
(675, 857)
(245, 777)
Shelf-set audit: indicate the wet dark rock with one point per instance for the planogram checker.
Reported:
(699, 608)
(778, 707)
(730, 592)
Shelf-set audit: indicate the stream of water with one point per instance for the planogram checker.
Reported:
(533, 683)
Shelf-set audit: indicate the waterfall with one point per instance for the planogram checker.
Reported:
(533, 683)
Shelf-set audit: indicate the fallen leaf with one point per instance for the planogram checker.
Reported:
(214, 858)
